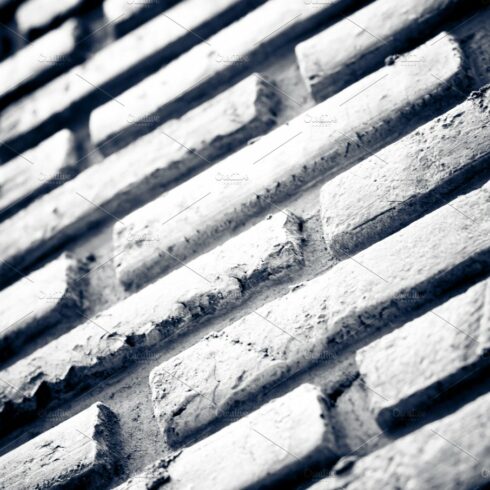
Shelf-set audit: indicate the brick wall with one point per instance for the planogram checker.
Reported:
(244, 244)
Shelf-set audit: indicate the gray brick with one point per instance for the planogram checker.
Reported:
(368, 115)
(366, 38)
(409, 369)
(39, 61)
(373, 290)
(110, 70)
(402, 181)
(37, 171)
(41, 300)
(274, 444)
(449, 454)
(211, 284)
(110, 189)
(75, 454)
(200, 71)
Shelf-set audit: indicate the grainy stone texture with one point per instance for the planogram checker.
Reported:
(42, 299)
(449, 454)
(112, 188)
(410, 368)
(39, 15)
(107, 72)
(211, 284)
(367, 37)
(274, 444)
(78, 453)
(39, 61)
(367, 292)
(210, 64)
(284, 161)
(406, 179)
(50, 164)
(125, 15)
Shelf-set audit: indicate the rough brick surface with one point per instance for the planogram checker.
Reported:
(427, 356)
(213, 62)
(367, 292)
(451, 453)
(367, 37)
(75, 454)
(50, 164)
(287, 159)
(100, 78)
(273, 444)
(39, 15)
(39, 61)
(404, 180)
(108, 190)
(211, 284)
(39, 301)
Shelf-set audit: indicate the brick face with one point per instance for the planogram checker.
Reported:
(244, 244)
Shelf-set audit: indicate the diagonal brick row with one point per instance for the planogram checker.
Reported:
(110, 70)
(275, 444)
(41, 300)
(211, 64)
(40, 61)
(209, 285)
(372, 290)
(46, 166)
(451, 453)
(323, 141)
(367, 37)
(112, 188)
(77, 453)
(123, 15)
(402, 181)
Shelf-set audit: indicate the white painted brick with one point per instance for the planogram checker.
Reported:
(351, 48)
(213, 283)
(39, 301)
(48, 165)
(449, 454)
(38, 15)
(75, 454)
(125, 15)
(368, 115)
(111, 188)
(373, 290)
(214, 62)
(408, 369)
(274, 444)
(39, 61)
(402, 181)
(44, 111)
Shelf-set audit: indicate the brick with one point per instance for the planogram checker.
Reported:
(39, 62)
(37, 171)
(276, 443)
(427, 356)
(450, 453)
(376, 289)
(367, 37)
(125, 15)
(214, 62)
(44, 298)
(211, 284)
(111, 70)
(289, 158)
(115, 186)
(38, 16)
(75, 454)
(402, 181)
